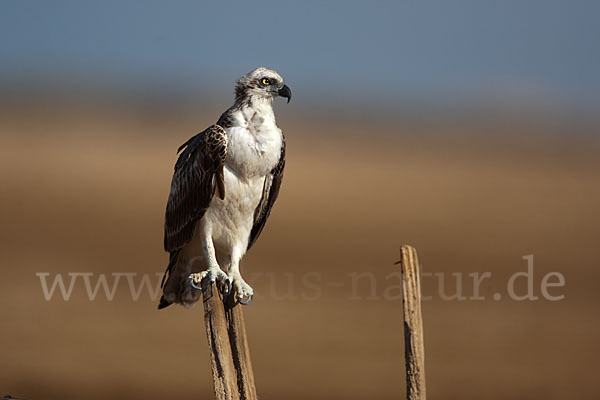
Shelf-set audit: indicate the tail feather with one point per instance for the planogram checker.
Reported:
(176, 288)
(172, 260)
(164, 303)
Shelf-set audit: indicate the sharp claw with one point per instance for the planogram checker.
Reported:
(192, 284)
(223, 286)
(245, 302)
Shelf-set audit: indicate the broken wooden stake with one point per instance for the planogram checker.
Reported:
(233, 378)
(414, 352)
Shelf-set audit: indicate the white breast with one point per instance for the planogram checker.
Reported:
(230, 220)
(254, 141)
(253, 150)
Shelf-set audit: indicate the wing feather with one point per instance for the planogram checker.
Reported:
(198, 175)
(269, 196)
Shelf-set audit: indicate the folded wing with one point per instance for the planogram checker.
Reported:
(198, 176)
(269, 196)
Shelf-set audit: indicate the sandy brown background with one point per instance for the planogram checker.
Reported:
(84, 189)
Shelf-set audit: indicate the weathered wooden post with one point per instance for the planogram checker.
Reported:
(240, 350)
(231, 367)
(413, 324)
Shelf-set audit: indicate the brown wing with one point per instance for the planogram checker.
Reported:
(270, 193)
(198, 175)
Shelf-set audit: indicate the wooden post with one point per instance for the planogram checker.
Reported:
(221, 361)
(240, 350)
(233, 378)
(413, 324)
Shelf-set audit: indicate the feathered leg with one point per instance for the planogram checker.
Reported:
(242, 289)
(213, 274)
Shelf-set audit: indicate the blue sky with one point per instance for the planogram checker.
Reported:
(372, 50)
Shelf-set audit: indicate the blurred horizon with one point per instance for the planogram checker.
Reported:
(468, 129)
(537, 54)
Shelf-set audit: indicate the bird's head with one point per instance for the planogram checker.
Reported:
(261, 83)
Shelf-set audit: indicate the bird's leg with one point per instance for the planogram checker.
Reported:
(213, 274)
(241, 288)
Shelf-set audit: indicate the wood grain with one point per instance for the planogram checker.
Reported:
(413, 324)
(221, 361)
(240, 350)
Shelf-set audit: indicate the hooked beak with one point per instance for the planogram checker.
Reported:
(285, 92)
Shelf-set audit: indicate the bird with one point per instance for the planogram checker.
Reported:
(225, 182)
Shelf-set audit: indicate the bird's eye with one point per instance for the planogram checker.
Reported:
(266, 81)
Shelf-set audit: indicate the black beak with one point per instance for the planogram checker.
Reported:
(285, 92)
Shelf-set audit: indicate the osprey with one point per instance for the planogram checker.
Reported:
(225, 184)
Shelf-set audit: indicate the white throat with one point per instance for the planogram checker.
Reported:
(254, 140)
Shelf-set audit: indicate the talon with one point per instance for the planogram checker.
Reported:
(240, 301)
(192, 284)
(235, 303)
(241, 289)
(210, 278)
